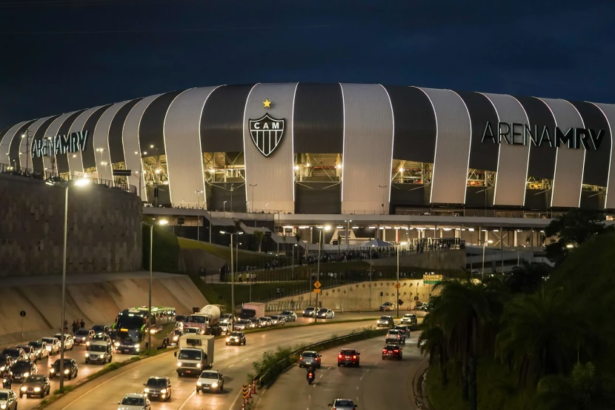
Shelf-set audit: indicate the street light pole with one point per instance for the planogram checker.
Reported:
(483, 269)
(397, 284)
(151, 275)
(63, 288)
(231, 234)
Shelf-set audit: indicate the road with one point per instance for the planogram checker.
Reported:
(377, 384)
(235, 362)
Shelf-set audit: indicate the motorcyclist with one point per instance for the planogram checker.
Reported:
(7, 378)
(311, 370)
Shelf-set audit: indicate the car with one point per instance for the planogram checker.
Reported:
(158, 388)
(14, 353)
(236, 338)
(395, 336)
(277, 320)
(40, 348)
(177, 333)
(134, 401)
(29, 351)
(193, 330)
(349, 357)
(8, 399)
(342, 404)
(99, 352)
(35, 385)
(210, 380)
(242, 324)
(310, 358)
(69, 342)
(409, 319)
(264, 321)
(289, 315)
(385, 321)
(391, 352)
(255, 323)
(22, 369)
(99, 337)
(101, 329)
(387, 306)
(181, 319)
(404, 329)
(325, 313)
(70, 369)
(309, 311)
(226, 318)
(83, 335)
(53, 344)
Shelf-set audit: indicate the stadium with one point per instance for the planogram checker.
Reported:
(305, 151)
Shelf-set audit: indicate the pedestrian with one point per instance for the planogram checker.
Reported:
(75, 326)
(240, 278)
(82, 323)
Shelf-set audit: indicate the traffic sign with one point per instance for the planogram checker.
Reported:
(317, 290)
(397, 285)
(317, 284)
(244, 391)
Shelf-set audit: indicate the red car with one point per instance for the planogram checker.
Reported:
(391, 352)
(348, 357)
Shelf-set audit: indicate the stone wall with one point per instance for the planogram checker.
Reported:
(104, 228)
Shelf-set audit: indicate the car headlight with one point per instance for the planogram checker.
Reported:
(26, 374)
(163, 391)
(199, 383)
(2, 368)
(198, 365)
(117, 344)
(136, 346)
(66, 371)
(48, 348)
(214, 385)
(37, 389)
(87, 355)
(52, 370)
(175, 338)
(228, 339)
(146, 390)
(179, 364)
(24, 388)
(3, 406)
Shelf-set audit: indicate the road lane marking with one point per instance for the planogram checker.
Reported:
(186, 401)
(367, 371)
(231, 366)
(357, 387)
(247, 358)
(361, 378)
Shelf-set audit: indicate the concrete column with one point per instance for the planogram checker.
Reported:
(515, 238)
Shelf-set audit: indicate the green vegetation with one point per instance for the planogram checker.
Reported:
(224, 252)
(528, 343)
(165, 250)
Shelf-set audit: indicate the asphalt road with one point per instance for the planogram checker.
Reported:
(235, 362)
(376, 384)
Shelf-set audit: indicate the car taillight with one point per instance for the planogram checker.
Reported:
(339, 356)
(384, 350)
(317, 359)
(354, 357)
(398, 336)
(396, 351)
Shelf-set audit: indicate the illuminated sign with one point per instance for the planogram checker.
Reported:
(522, 134)
(60, 144)
(267, 133)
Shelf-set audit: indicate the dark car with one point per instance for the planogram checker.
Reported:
(385, 321)
(181, 318)
(83, 335)
(70, 369)
(309, 312)
(36, 385)
(22, 369)
(158, 388)
(101, 329)
(236, 338)
(15, 353)
(391, 352)
(310, 358)
(404, 329)
(348, 357)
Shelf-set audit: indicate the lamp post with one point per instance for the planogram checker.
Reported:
(231, 234)
(224, 206)
(483, 269)
(397, 284)
(151, 280)
(325, 228)
(78, 183)
(198, 222)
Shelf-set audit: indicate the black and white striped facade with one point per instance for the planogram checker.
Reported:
(370, 126)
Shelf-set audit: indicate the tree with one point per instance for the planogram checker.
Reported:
(433, 342)
(572, 229)
(540, 335)
(526, 278)
(584, 389)
(259, 235)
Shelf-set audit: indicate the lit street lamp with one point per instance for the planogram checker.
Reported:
(231, 234)
(151, 276)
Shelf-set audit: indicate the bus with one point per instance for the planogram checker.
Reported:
(130, 332)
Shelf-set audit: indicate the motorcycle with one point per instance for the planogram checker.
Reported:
(6, 383)
(310, 377)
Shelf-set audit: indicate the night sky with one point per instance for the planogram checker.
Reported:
(61, 55)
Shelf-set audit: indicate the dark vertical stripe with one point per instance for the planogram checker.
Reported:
(151, 130)
(89, 155)
(116, 129)
(596, 169)
(319, 119)
(37, 163)
(62, 159)
(483, 156)
(222, 119)
(415, 124)
(15, 143)
(542, 159)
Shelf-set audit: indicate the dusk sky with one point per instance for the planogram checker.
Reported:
(61, 55)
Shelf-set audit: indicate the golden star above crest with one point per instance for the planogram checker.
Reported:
(267, 103)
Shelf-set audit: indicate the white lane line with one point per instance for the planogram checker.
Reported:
(231, 366)
(357, 387)
(187, 400)
(247, 358)
(361, 378)
(314, 386)
(321, 376)
(367, 371)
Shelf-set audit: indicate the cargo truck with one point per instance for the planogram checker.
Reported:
(252, 309)
(196, 353)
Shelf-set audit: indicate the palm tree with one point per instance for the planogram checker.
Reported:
(526, 278)
(433, 341)
(259, 237)
(540, 335)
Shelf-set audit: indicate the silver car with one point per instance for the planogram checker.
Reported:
(342, 404)
(310, 358)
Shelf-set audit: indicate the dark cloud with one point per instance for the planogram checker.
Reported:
(60, 55)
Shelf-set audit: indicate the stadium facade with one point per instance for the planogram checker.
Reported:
(335, 149)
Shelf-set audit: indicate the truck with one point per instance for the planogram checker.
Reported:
(196, 353)
(207, 319)
(252, 309)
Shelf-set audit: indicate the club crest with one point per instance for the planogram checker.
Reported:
(267, 133)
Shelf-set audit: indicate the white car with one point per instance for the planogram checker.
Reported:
(210, 380)
(69, 342)
(52, 344)
(135, 401)
(8, 399)
(409, 319)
